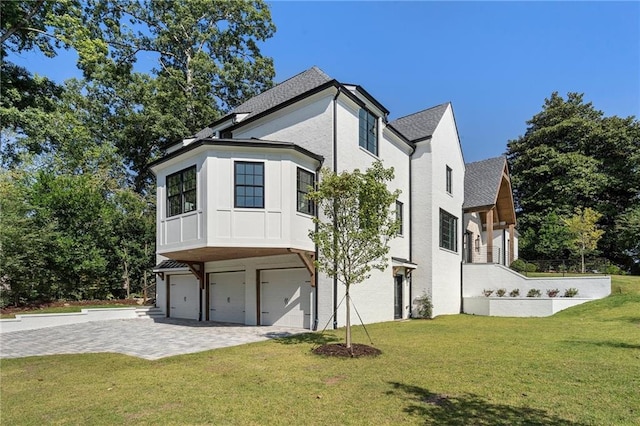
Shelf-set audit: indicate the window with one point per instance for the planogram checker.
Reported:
(249, 184)
(304, 184)
(399, 214)
(368, 131)
(181, 192)
(449, 179)
(448, 231)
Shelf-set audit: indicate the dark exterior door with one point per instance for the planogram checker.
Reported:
(398, 298)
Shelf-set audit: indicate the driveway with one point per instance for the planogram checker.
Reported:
(141, 337)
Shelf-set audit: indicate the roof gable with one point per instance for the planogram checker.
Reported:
(482, 181)
(297, 85)
(420, 125)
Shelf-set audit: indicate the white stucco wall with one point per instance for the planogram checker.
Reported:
(479, 277)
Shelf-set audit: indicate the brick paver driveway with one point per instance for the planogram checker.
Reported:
(144, 338)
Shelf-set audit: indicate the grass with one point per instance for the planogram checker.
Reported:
(579, 367)
(63, 309)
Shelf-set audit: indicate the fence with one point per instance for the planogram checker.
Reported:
(566, 266)
(482, 255)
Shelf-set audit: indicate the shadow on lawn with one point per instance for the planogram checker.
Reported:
(312, 338)
(608, 343)
(470, 409)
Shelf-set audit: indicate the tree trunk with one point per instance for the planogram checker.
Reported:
(348, 323)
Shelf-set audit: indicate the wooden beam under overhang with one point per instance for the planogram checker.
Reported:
(308, 259)
(212, 254)
(197, 269)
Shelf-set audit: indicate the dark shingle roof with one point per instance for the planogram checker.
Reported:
(482, 182)
(420, 125)
(288, 89)
(170, 264)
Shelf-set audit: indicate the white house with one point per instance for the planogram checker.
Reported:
(233, 222)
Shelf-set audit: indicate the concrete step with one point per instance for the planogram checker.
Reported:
(149, 312)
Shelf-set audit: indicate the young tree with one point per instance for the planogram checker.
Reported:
(354, 226)
(584, 231)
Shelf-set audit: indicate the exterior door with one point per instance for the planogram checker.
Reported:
(397, 314)
(227, 297)
(183, 297)
(285, 298)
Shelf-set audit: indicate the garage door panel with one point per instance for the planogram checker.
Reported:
(183, 297)
(227, 297)
(286, 298)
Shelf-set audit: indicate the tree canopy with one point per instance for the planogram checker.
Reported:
(77, 196)
(572, 156)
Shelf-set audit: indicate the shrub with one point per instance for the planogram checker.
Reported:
(519, 265)
(570, 292)
(553, 292)
(613, 270)
(531, 267)
(501, 292)
(534, 292)
(487, 293)
(425, 307)
(515, 292)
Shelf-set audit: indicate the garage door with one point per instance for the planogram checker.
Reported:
(183, 297)
(226, 297)
(285, 298)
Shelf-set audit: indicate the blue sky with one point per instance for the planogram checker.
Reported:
(495, 61)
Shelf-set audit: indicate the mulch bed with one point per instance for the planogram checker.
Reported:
(339, 349)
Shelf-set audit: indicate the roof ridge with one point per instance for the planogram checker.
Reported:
(421, 111)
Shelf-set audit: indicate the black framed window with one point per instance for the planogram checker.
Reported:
(249, 184)
(399, 214)
(368, 131)
(304, 183)
(449, 179)
(448, 231)
(181, 191)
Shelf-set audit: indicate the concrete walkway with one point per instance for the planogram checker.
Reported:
(145, 338)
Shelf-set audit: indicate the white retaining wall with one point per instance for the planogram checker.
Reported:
(478, 277)
(35, 321)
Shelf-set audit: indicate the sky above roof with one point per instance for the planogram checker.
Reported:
(496, 62)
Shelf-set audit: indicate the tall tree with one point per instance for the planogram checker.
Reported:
(583, 228)
(573, 156)
(355, 224)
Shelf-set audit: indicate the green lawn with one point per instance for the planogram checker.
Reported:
(579, 367)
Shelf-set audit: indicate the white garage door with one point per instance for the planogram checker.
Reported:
(226, 297)
(285, 298)
(183, 297)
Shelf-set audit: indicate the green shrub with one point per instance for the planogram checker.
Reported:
(613, 270)
(531, 267)
(501, 292)
(515, 292)
(519, 265)
(425, 307)
(534, 292)
(570, 292)
(487, 293)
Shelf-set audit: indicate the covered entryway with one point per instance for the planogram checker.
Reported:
(183, 297)
(285, 298)
(227, 297)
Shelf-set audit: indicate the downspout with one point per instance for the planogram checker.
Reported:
(335, 170)
(411, 230)
(315, 278)
(462, 264)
